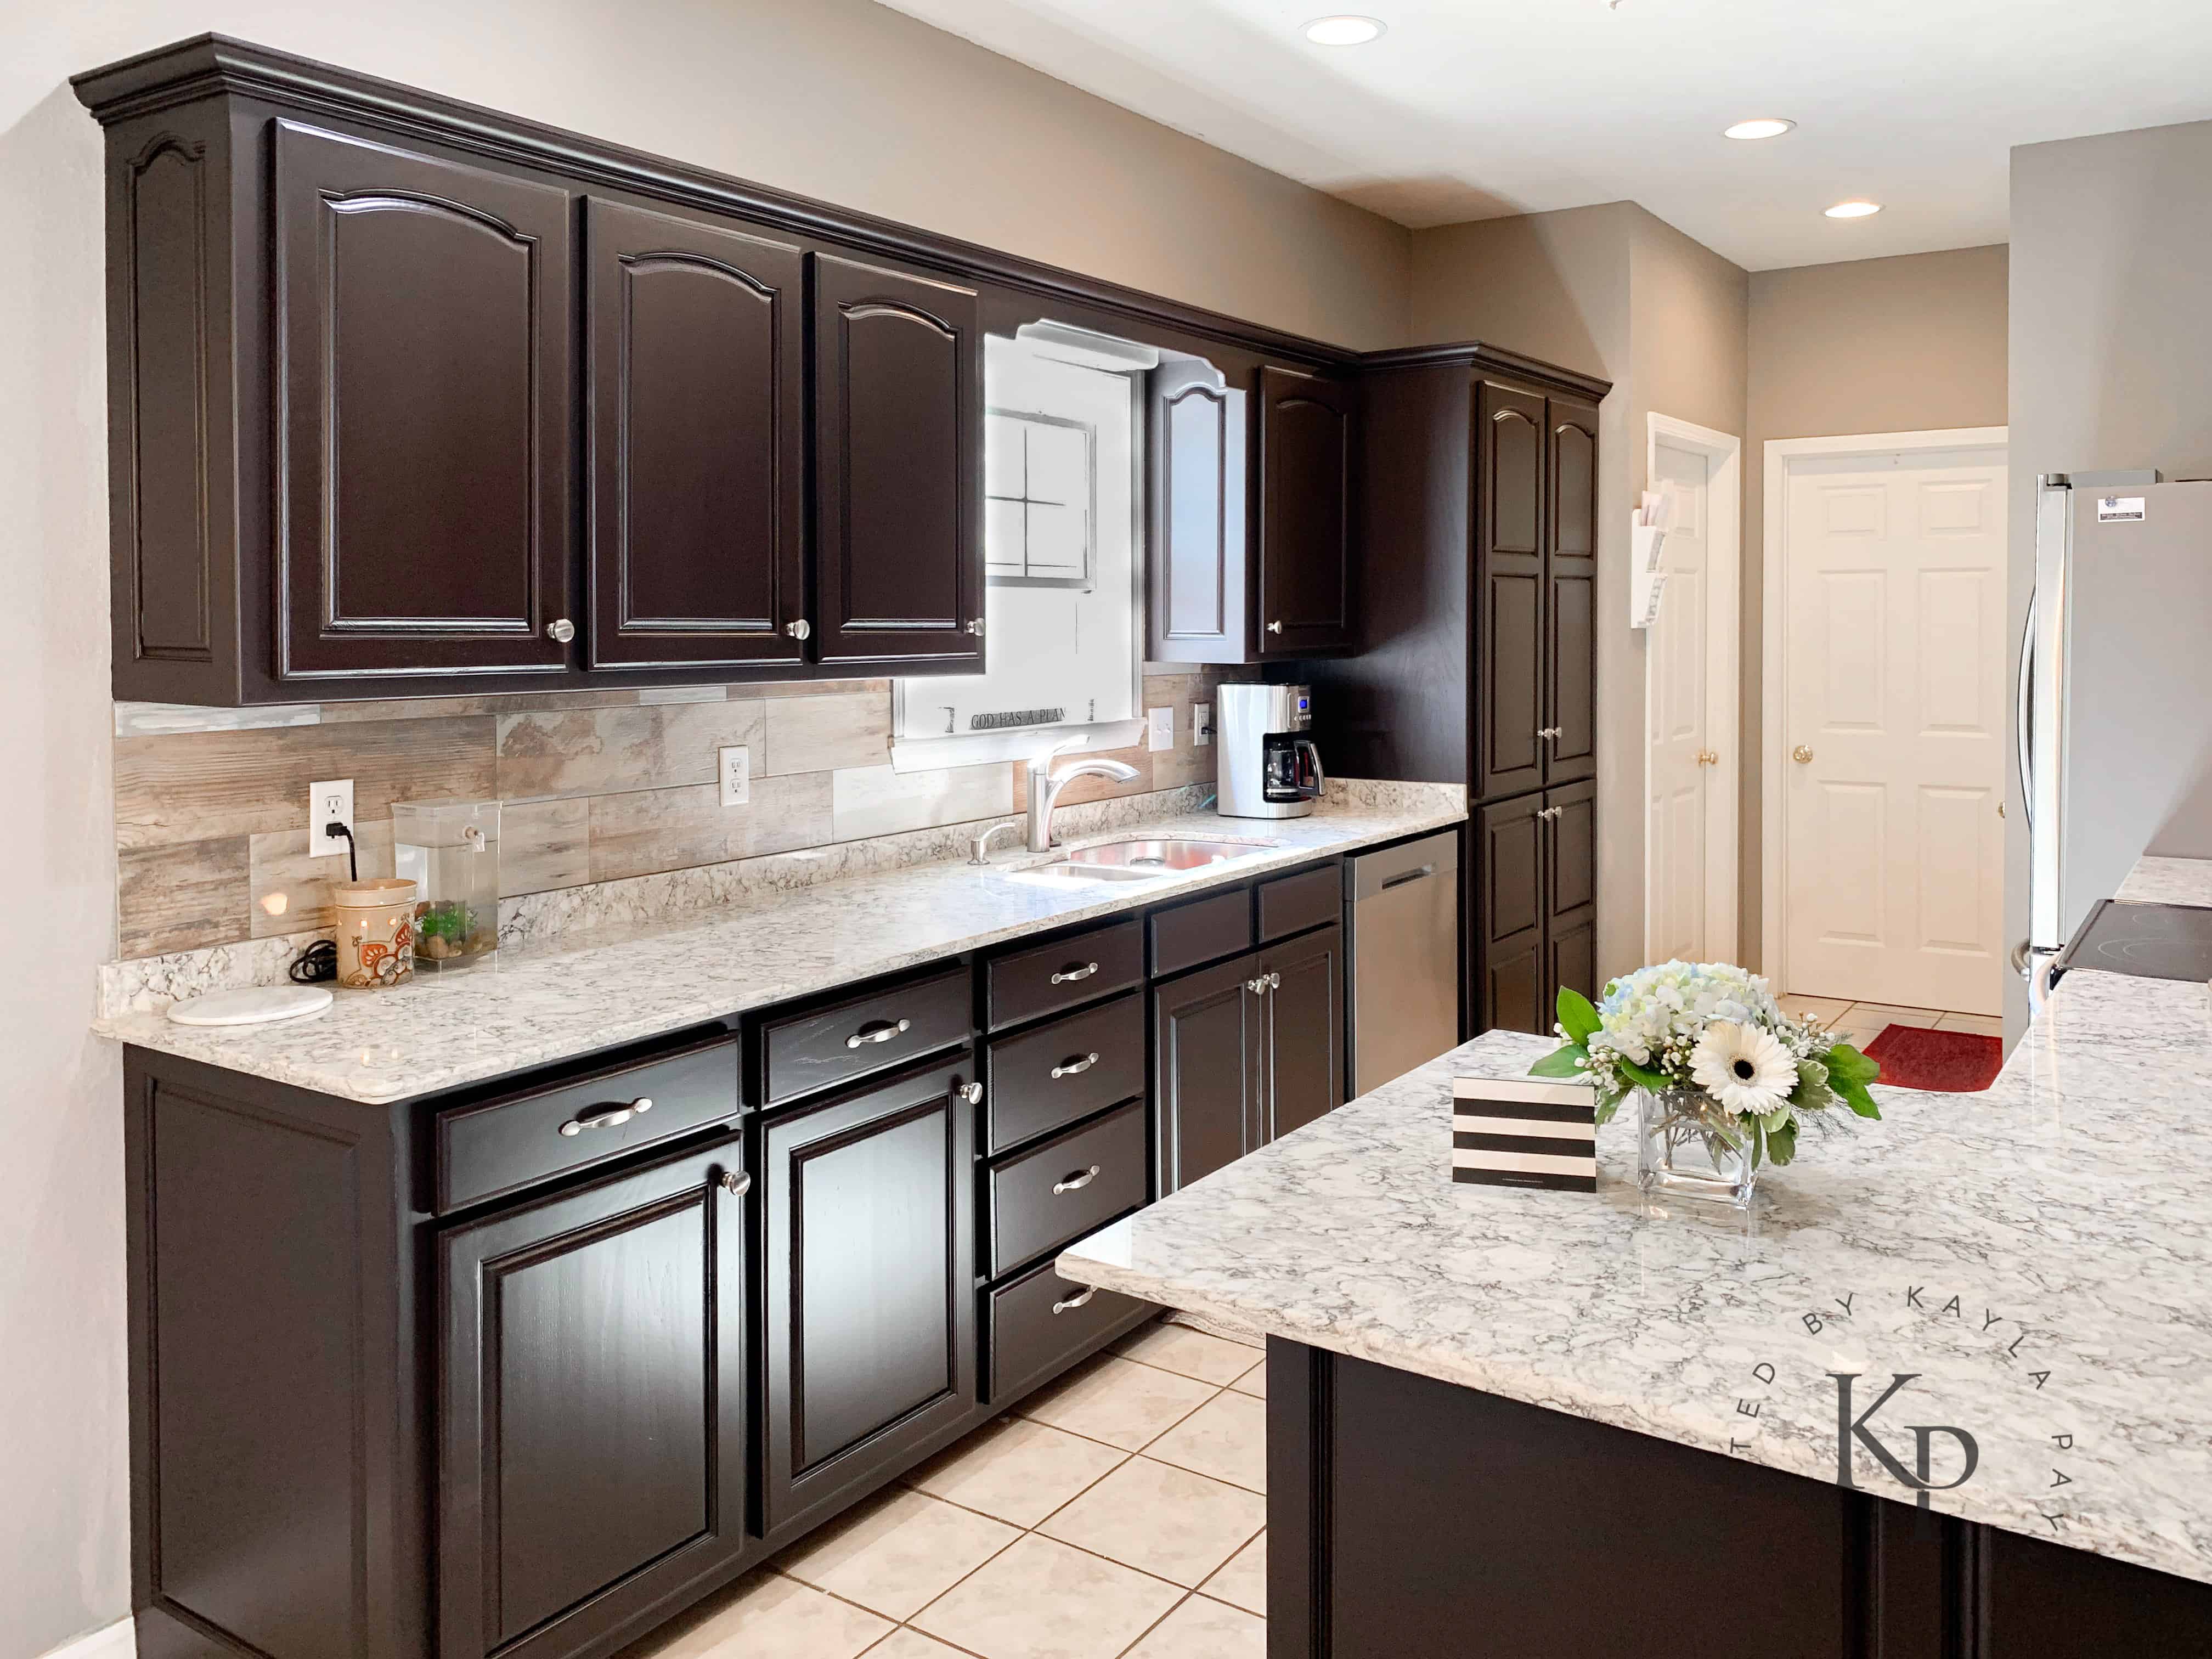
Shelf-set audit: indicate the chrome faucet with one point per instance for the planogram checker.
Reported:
(1045, 786)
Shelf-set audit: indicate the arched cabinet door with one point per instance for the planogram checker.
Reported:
(696, 462)
(1510, 604)
(1306, 460)
(423, 386)
(898, 468)
(1571, 598)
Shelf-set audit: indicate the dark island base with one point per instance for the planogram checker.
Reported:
(1414, 1519)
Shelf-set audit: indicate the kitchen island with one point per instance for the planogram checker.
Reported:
(1545, 1423)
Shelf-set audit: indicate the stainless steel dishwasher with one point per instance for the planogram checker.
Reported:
(1401, 908)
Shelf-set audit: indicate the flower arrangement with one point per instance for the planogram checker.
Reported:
(1710, 1039)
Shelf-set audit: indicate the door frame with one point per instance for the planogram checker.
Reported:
(1774, 664)
(1724, 675)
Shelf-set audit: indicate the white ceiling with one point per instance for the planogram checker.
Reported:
(1469, 108)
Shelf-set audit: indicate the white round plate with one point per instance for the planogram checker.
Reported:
(252, 1005)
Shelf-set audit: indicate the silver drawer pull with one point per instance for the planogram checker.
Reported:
(605, 1117)
(1075, 1067)
(878, 1031)
(1067, 1303)
(1076, 1182)
(1066, 974)
(737, 1182)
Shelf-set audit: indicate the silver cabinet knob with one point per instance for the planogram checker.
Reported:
(976, 626)
(606, 1118)
(1274, 628)
(1257, 987)
(1076, 1182)
(1553, 733)
(801, 629)
(970, 1092)
(561, 631)
(1274, 982)
(737, 1182)
(1802, 755)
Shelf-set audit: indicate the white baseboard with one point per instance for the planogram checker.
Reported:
(117, 1641)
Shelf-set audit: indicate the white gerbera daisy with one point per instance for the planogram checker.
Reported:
(1744, 1068)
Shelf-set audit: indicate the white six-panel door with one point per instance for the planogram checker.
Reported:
(1679, 774)
(1894, 729)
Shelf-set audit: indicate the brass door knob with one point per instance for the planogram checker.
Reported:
(1802, 755)
(1708, 757)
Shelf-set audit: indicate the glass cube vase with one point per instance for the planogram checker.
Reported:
(1688, 1148)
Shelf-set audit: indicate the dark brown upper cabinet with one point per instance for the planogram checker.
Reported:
(898, 466)
(1510, 610)
(1198, 555)
(422, 413)
(582, 1480)
(1571, 595)
(696, 461)
(1307, 424)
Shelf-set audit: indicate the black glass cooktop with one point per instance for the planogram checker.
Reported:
(2151, 941)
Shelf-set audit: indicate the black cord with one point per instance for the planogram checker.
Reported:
(317, 963)
(353, 862)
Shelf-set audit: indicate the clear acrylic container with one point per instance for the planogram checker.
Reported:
(450, 849)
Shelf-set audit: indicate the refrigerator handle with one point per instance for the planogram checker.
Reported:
(2024, 714)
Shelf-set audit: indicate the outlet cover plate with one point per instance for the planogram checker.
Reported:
(328, 802)
(1163, 729)
(735, 769)
(1201, 725)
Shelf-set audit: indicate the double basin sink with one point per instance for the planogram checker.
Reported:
(1142, 859)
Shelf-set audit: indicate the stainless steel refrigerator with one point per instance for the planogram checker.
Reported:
(2115, 695)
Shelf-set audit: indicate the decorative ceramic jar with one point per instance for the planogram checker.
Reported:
(375, 931)
(1688, 1148)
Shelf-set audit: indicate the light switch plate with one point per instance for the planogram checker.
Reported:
(1163, 733)
(328, 803)
(1201, 726)
(735, 772)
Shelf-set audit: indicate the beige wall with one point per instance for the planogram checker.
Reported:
(2111, 343)
(1909, 345)
(839, 99)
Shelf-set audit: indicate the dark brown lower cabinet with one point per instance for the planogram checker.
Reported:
(869, 1208)
(592, 1405)
(1245, 1051)
(1534, 900)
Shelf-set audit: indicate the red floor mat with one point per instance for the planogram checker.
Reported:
(1951, 1062)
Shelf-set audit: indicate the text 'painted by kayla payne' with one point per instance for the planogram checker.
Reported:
(1908, 1454)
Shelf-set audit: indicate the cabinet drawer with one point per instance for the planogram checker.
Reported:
(512, 1141)
(1030, 984)
(1291, 905)
(1072, 1185)
(1040, 1323)
(806, 1052)
(1099, 1057)
(1203, 932)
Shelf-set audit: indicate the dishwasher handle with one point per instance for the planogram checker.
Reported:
(1404, 876)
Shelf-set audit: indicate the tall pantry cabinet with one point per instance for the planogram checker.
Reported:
(1478, 660)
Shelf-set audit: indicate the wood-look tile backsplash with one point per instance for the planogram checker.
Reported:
(211, 826)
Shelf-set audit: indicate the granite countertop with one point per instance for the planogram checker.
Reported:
(2168, 881)
(2040, 1255)
(538, 1003)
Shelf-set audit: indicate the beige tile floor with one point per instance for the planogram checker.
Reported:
(1860, 1023)
(1119, 1514)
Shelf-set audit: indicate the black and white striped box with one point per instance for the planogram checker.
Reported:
(1524, 1132)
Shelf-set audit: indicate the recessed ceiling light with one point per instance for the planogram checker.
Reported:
(1344, 31)
(1765, 126)
(1854, 210)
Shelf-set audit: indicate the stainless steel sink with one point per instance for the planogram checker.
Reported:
(1160, 857)
(1059, 870)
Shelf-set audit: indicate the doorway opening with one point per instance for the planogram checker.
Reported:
(1885, 719)
(1692, 765)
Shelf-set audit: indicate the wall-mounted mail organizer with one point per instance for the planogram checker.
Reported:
(1646, 579)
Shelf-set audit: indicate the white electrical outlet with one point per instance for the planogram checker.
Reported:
(327, 804)
(1201, 726)
(735, 772)
(1163, 733)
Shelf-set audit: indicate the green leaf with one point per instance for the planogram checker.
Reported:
(1754, 1140)
(1576, 1018)
(1565, 1062)
(1643, 1076)
(1607, 1106)
(1782, 1144)
(1856, 1097)
(1812, 1093)
(1847, 1065)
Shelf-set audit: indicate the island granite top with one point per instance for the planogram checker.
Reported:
(2038, 1256)
(532, 1005)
